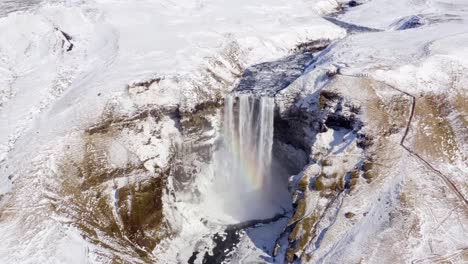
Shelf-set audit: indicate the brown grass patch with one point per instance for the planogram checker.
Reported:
(434, 136)
(141, 211)
(134, 225)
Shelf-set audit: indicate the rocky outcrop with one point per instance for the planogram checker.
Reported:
(321, 182)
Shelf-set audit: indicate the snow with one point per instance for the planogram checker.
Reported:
(111, 48)
(49, 95)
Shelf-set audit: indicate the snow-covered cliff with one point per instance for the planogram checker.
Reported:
(112, 124)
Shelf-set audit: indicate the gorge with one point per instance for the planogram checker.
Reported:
(208, 132)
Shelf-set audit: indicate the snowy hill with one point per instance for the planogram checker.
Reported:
(202, 131)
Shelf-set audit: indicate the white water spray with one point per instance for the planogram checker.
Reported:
(248, 140)
(244, 184)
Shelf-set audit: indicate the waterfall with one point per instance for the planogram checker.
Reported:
(248, 141)
(243, 184)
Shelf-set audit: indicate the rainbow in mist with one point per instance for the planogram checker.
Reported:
(248, 136)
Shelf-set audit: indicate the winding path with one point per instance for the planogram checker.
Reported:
(447, 181)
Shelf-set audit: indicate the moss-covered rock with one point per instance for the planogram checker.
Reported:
(141, 212)
(318, 184)
(349, 215)
(326, 162)
(367, 165)
(303, 184)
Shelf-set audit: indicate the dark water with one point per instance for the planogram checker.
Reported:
(226, 242)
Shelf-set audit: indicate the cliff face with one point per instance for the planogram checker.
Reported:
(364, 117)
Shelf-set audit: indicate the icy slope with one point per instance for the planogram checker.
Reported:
(66, 65)
(110, 113)
(116, 42)
(404, 199)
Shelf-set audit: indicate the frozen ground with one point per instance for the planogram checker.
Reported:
(63, 64)
(47, 91)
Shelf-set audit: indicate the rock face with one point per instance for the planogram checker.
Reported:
(115, 197)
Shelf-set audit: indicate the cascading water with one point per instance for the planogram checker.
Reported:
(244, 180)
(248, 139)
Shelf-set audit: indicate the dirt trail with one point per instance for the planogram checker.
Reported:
(447, 181)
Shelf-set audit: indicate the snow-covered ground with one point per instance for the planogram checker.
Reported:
(425, 60)
(70, 64)
(47, 91)
(64, 62)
